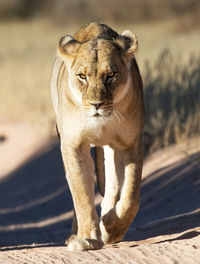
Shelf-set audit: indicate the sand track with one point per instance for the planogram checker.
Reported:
(36, 206)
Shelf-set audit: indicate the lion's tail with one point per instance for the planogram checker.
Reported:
(100, 169)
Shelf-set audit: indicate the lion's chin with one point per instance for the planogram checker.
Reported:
(97, 121)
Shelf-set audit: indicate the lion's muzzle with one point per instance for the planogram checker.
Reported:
(96, 109)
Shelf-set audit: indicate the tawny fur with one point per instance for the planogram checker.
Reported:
(97, 96)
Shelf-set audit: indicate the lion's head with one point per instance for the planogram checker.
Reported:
(98, 62)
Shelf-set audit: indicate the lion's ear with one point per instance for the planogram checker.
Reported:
(68, 46)
(127, 41)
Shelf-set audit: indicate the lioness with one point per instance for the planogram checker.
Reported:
(97, 96)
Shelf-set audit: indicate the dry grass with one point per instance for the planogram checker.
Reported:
(172, 101)
(26, 57)
(27, 54)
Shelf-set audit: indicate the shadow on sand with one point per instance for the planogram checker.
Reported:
(36, 205)
(170, 201)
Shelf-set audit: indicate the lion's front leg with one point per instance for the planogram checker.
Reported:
(74, 230)
(116, 220)
(80, 176)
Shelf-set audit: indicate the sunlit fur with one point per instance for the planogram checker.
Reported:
(97, 96)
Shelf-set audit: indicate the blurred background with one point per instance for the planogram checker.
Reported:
(169, 58)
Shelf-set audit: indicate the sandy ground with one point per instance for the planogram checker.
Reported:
(36, 205)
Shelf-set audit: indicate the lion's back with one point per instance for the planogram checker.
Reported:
(95, 30)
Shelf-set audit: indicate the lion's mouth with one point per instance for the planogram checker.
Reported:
(100, 113)
(93, 112)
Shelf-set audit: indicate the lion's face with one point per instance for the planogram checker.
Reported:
(98, 74)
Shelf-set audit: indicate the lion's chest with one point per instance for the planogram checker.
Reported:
(120, 135)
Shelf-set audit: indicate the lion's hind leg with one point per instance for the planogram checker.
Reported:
(118, 215)
(111, 196)
(100, 169)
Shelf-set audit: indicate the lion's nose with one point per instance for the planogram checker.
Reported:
(96, 104)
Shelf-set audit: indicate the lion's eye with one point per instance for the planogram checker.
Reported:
(111, 74)
(82, 76)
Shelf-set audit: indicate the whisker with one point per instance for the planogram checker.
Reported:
(119, 117)
(108, 105)
(107, 108)
(86, 107)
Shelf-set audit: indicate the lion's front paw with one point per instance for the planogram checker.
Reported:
(109, 219)
(112, 235)
(112, 227)
(84, 244)
(70, 238)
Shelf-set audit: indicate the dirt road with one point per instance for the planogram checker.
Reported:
(36, 206)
